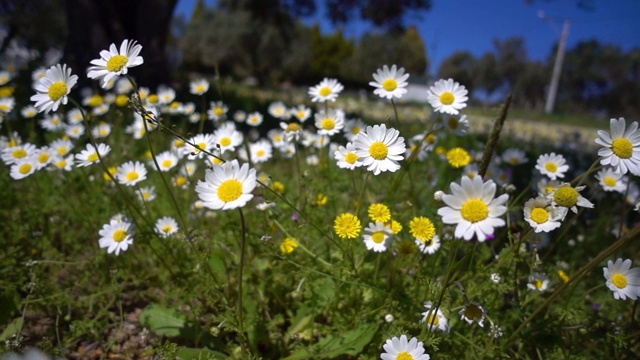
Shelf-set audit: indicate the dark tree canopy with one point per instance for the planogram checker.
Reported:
(382, 13)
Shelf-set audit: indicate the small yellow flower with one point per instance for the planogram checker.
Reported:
(379, 212)
(396, 227)
(288, 245)
(278, 187)
(347, 226)
(6, 91)
(458, 157)
(112, 170)
(422, 228)
(563, 276)
(321, 199)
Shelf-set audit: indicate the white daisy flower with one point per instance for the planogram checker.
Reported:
(621, 148)
(166, 95)
(292, 131)
(473, 312)
(227, 186)
(428, 246)
(346, 157)
(44, 156)
(116, 236)
(146, 194)
(102, 130)
(28, 111)
(457, 125)
(90, 156)
(227, 139)
(447, 96)
(538, 282)
(278, 110)
(114, 63)
(23, 168)
(473, 208)
(6, 105)
(420, 145)
(541, 215)
(261, 151)
(12, 154)
(74, 131)
(61, 147)
(53, 88)
(552, 165)
(167, 160)
(435, 319)
(131, 173)
(377, 236)
(622, 280)
(301, 112)
(166, 226)
(514, 156)
(199, 86)
(380, 148)
(52, 123)
(545, 186)
(403, 349)
(390, 83)
(352, 128)
(204, 142)
(569, 197)
(329, 123)
(74, 116)
(61, 163)
(217, 110)
(327, 90)
(254, 119)
(611, 180)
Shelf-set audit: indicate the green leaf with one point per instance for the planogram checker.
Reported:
(163, 321)
(13, 328)
(331, 346)
(191, 353)
(303, 319)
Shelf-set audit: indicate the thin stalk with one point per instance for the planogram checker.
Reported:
(493, 137)
(243, 244)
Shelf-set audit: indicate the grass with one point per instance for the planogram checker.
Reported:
(223, 288)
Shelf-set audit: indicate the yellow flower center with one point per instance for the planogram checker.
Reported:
(328, 124)
(539, 215)
(122, 100)
(153, 99)
(218, 110)
(225, 141)
(95, 101)
(19, 153)
(622, 147)
(379, 150)
(474, 210)
(610, 181)
(551, 167)
(93, 157)
(4, 108)
(146, 195)
(200, 88)
(453, 123)
(167, 229)
(167, 163)
(355, 130)
(261, 153)
(404, 356)
(61, 164)
(132, 176)
(116, 63)
(351, 158)
(25, 168)
(447, 98)
(390, 84)
(566, 196)
(539, 284)
(325, 91)
(43, 158)
(119, 235)
(230, 190)
(619, 280)
(292, 127)
(57, 90)
(473, 312)
(378, 237)
(181, 180)
(201, 146)
(433, 320)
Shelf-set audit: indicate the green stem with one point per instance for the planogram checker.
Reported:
(240, 274)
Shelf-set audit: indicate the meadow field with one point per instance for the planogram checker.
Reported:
(217, 220)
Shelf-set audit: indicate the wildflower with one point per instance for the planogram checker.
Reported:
(377, 236)
(389, 318)
(473, 208)
(538, 282)
(6, 105)
(43, 156)
(569, 197)
(352, 128)
(61, 162)
(166, 95)
(563, 276)
(292, 131)
(495, 278)
(458, 157)
(552, 165)
(199, 87)
(327, 90)
(380, 148)
(74, 131)
(116, 236)
(166, 226)
(113, 63)
(261, 151)
(145, 194)
(621, 148)
(102, 130)
(217, 110)
(322, 199)
(301, 112)
(379, 212)
(329, 123)
(288, 245)
(390, 83)
(90, 154)
(404, 349)
(347, 226)
(23, 167)
(541, 215)
(422, 228)
(12, 154)
(447, 96)
(53, 88)
(514, 156)
(457, 125)
(29, 111)
(395, 226)
(227, 186)
(167, 160)
(131, 173)
(227, 138)
(612, 181)
(204, 142)
(622, 279)
(473, 312)
(278, 110)
(254, 119)
(435, 319)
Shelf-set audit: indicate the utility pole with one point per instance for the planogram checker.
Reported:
(557, 68)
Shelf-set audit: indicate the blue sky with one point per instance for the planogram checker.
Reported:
(471, 25)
